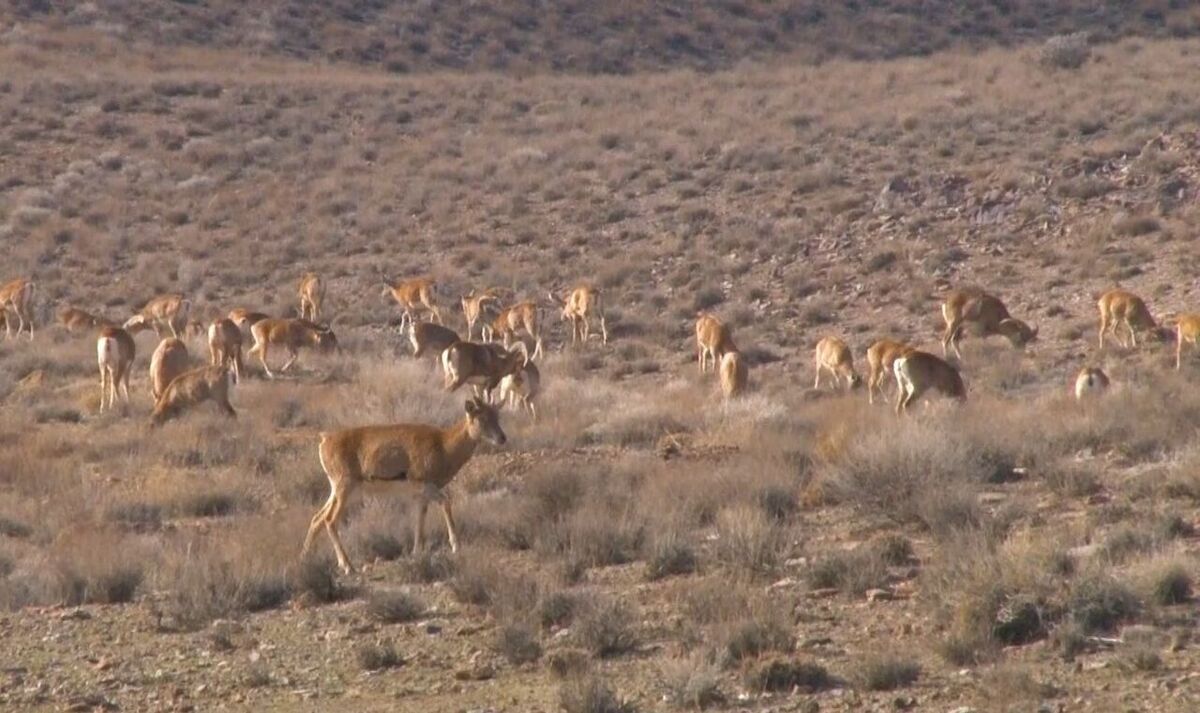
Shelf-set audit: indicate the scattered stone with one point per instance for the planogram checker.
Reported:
(879, 595)
(823, 593)
(75, 615)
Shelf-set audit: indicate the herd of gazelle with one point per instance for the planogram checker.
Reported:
(423, 458)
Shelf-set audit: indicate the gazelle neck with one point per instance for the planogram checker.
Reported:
(458, 443)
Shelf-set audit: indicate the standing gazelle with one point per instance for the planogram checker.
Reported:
(413, 295)
(169, 360)
(388, 459)
(312, 294)
(578, 307)
(881, 357)
(115, 350)
(919, 372)
(1187, 330)
(1119, 307)
(522, 315)
(165, 312)
(834, 356)
(987, 313)
(473, 305)
(225, 346)
(713, 339)
(17, 296)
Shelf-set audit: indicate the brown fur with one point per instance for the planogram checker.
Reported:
(713, 339)
(225, 346)
(74, 319)
(473, 306)
(416, 294)
(430, 338)
(578, 308)
(481, 365)
(881, 356)
(115, 352)
(205, 383)
(165, 312)
(986, 313)
(834, 356)
(521, 387)
(1119, 307)
(169, 360)
(919, 372)
(388, 458)
(523, 315)
(291, 335)
(17, 296)
(735, 374)
(312, 295)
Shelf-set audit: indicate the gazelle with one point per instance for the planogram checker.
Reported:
(987, 313)
(473, 306)
(430, 338)
(521, 387)
(735, 374)
(17, 296)
(244, 318)
(225, 346)
(312, 294)
(919, 372)
(523, 315)
(578, 308)
(205, 383)
(483, 366)
(1119, 307)
(169, 360)
(291, 335)
(115, 351)
(415, 294)
(1090, 382)
(881, 356)
(74, 319)
(834, 356)
(390, 459)
(1187, 330)
(162, 313)
(713, 339)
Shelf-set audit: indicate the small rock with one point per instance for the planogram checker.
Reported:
(825, 593)
(879, 595)
(433, 629)
(75, 615)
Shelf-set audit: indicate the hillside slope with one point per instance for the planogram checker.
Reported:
(610, 37)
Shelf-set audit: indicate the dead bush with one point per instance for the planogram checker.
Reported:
(886, 673)
(395, 606)
(605, 628)
(693, 683)
(517, 643)
(592, 695)
(1065, 51)
(787, 675)
(378, 656)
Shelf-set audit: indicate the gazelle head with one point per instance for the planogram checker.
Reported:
(136, 323)
(1018, 332)
(483, 421)
(324, 338)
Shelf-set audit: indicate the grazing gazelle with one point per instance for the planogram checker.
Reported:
(523, 315)
(987, 313)
(578, 307)
(205, 383)
(291, 335)
(1119, 307)
(17, 296)
(1090, 382)
(169, 360)
(225, 346)
(312, 294)
(73, 319)
(115, 351)
(918, 372)
(473, 305)
(162, 313)
(834, 356)
(735, 374)
(1187, 330)
(389, 459)
(414, 294)
(881, 356)
(713, 339)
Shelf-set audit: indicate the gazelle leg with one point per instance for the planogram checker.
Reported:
(318, 521)
(419, 530)
(817, 381)
(448, 516)
(331, 523)
(292, 354)
(1132, 334)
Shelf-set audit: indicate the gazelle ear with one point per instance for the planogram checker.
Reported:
(471, 406)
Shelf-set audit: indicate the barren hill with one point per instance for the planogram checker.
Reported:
(604, 37)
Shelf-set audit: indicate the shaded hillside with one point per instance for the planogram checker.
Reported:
(611, 37)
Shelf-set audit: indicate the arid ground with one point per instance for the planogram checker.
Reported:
(643, 546)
